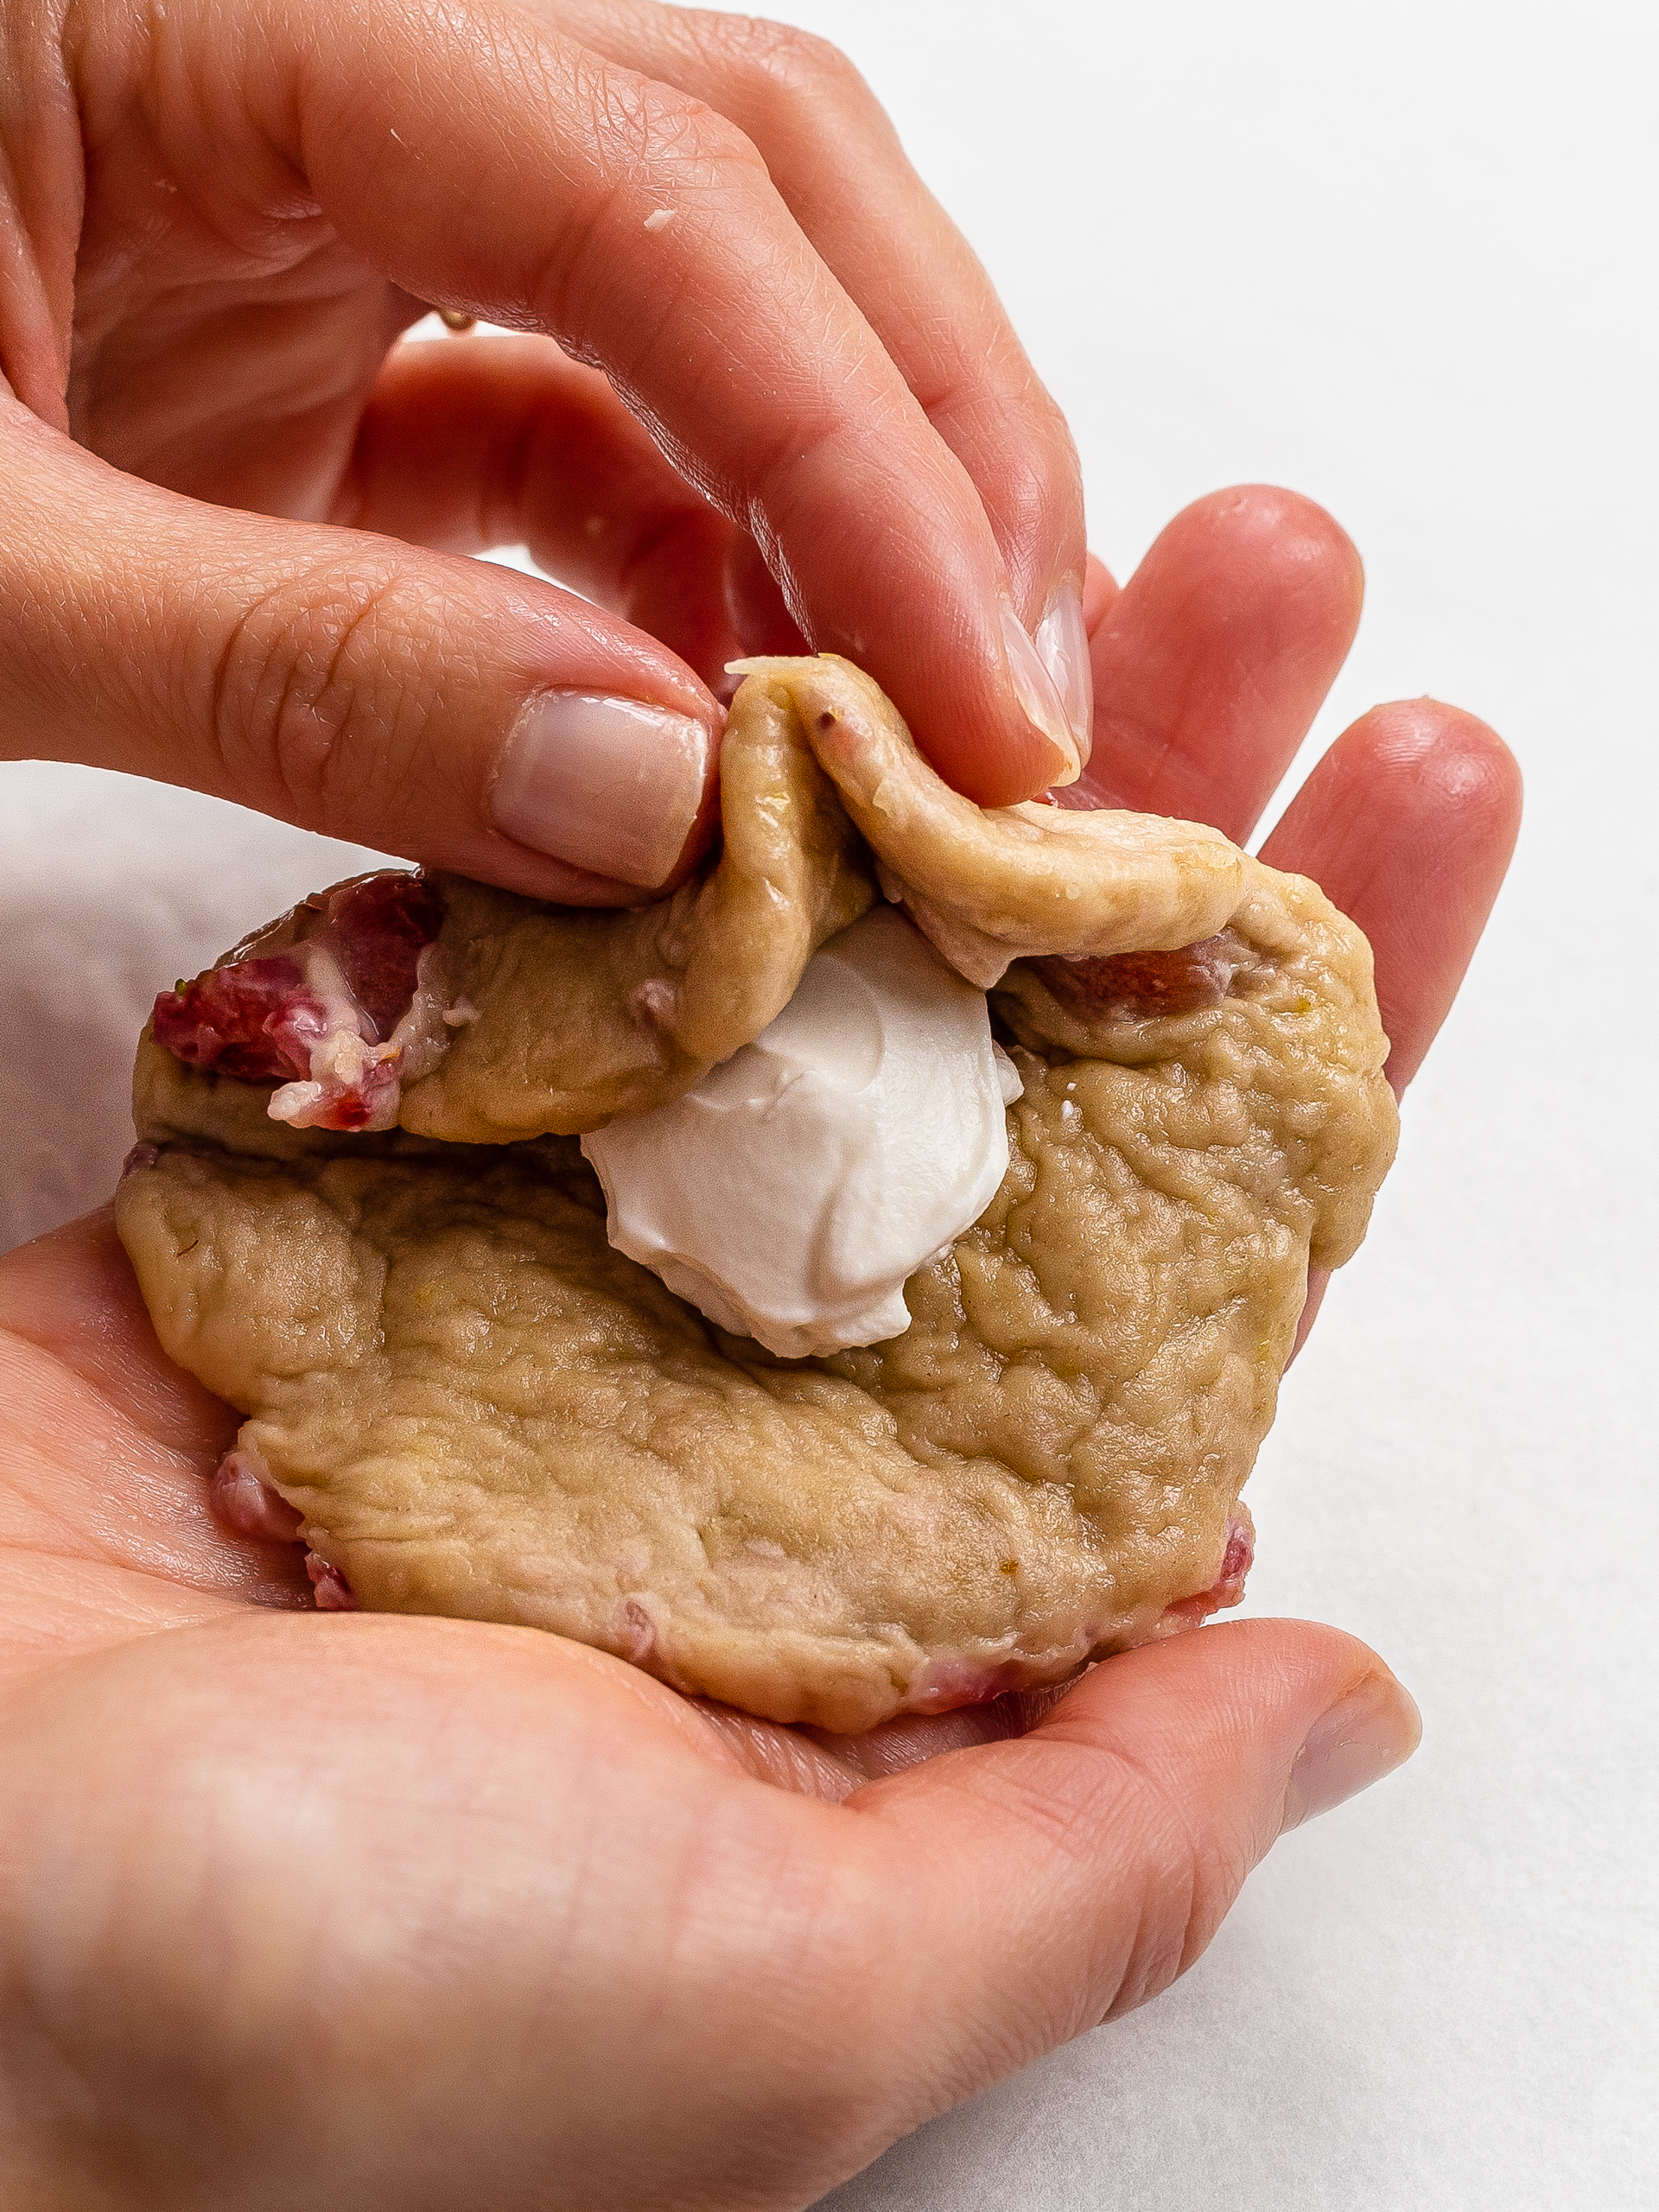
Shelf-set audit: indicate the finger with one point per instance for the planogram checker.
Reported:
(893, 250)
(1100, 592)
(764, 624)
(719, 323)
(1074, 1872)
(1407, 824)
(1212, 661)
(491, 441)
(440, 708)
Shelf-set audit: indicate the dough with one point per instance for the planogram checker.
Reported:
(480, 1408)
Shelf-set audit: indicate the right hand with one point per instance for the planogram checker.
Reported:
(218, 465)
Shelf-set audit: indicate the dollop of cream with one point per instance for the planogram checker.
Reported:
(791, 1192)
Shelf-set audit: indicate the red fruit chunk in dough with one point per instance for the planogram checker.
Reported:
(244, 1498)
(334, 1592)
(355, 1108)
(1148, 986)
(377, 929)
(1229, 1586)
(345, 966)
(256, 1021)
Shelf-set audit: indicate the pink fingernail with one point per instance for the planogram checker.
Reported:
(1372, 1731)
(1040, 701)
(1063, 648)
(609, 785)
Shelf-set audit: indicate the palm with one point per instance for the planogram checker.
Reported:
(293, 1812)
(399, 1879)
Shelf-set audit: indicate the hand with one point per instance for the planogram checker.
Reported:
(216, 220)
(354, 1911)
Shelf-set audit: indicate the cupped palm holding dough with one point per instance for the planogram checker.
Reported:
(480, 1409)
(635, 1875)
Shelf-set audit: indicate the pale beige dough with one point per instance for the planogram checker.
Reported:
(481, 1409)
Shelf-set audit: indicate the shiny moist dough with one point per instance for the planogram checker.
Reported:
(481, 1409)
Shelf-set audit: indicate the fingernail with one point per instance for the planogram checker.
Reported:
(1040, 702)
(1063, 648)
(1357, 1743)
(611, 786)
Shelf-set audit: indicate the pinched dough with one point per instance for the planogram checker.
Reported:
(481, 1409)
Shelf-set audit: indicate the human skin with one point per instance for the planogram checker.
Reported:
(221, 498)
(308, 1910)
(304, 1910)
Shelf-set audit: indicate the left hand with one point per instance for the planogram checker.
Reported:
(359, 1911)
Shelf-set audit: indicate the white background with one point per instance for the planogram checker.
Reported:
(1401, 259)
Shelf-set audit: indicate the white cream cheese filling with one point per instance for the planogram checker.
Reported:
(791, 1192)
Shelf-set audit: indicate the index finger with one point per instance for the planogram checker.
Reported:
(642, 229)
(875, 224)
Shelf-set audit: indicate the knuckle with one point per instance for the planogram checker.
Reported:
(1181, 1871)
(651, 146)
(1189, 1877)
(779, 64)
(1026, 495)
(1007, 429)
(1162, 1944)
(318, 691)
(650, 134)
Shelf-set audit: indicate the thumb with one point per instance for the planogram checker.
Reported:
(1058, 1879)
(434, 707)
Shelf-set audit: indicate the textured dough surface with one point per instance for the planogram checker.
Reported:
(481, 1409)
